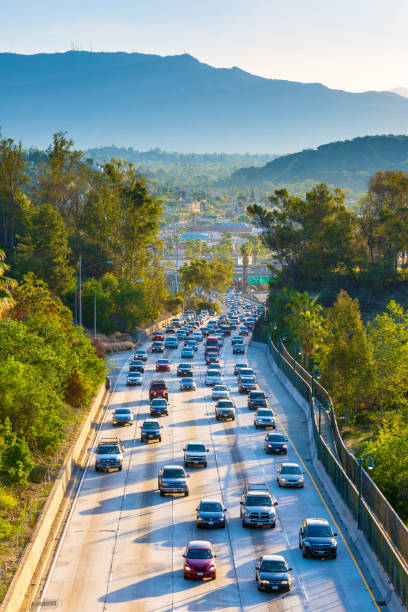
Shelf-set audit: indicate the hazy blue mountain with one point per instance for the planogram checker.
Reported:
(343, 164)
(179, 104)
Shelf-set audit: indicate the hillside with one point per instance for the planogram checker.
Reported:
(180, 104)
(346, 164)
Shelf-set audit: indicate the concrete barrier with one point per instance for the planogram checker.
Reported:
(13, 601)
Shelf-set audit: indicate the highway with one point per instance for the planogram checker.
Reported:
(123, 543)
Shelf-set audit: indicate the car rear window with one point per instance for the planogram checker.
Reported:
(258, 500)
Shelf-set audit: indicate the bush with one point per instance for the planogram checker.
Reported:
(7, 500)
(16, 462)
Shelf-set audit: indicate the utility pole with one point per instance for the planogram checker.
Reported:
(80, 289)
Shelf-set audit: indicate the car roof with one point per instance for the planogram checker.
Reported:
(211, 500)
(150, 421)
(171, 466)
(290, 464)
(273, 558)
(199, 544)
(316, 521)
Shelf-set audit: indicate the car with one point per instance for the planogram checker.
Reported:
(134, 379)
(199, 560)
(220, 337)
(316, 539)
(150, 430)
(140, 354)
(236, 340)
(181, 334)
(187, 353)
(256, 399)
(175, 322)
(122, 416)
(185, 369)
(109, 455)
(257, 506)
(272, 573)
(195, 453)
(212, 378)
(136, 366)
(170, 329)
(246, 372)
(215, 366)
(193, 344)
(158, 388)
(172, 479)
(171, 343)
(220, 392)
(159, 406)
(197, 336)
(211, 357)
(243, 331)
(238, 367)
(246, 384)
(225, 410)
(187, 384)
(276, 443)
(264, 418)
(238, 349)
(158, 337)
(163, 365)
(290, 475)
(211, 513)
(158, 347)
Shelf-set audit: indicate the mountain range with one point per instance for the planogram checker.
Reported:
(178, 103)
(347, 164)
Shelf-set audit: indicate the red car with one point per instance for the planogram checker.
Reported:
(158, 337)
(162, 365)
(199, 560)
(158, 388)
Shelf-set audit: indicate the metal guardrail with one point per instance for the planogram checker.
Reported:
(344, 476)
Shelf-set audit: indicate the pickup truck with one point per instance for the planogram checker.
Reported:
(109, 454)
(257, 505)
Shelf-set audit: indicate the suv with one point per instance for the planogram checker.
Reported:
(316, 538)
(158, 388)
(256, 399)
(171, 342)
(109, 454)
(172, 479)
(151, 430)
(257, 506)
(159, 406)
(195, 453)
(264, 418)
(275, 443)
(272, 573)
(225, 410)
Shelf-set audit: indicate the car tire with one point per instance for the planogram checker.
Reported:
(223, 525)
(160, 439)
(96, 469)
(185, 576)
(334, 556)
(161, 493)
(304, 554)
(256, 426)
(205, 464)
(279, 484)
(244, 524)
(186, 494)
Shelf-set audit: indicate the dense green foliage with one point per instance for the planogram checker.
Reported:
(346, 164)
(205, 276)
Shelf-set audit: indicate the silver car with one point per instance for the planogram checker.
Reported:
(122, 416)
(187, 384)
(290, 475)
(264, 418)
(220, 392)
(213, 378)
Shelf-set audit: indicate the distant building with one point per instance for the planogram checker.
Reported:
(184, 206)
(195, 236)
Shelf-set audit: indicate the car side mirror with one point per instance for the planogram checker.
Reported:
(215, 556)
(184, 449)
(225, 509)
(188, 475)
(183, 556)
(334, 534)
(207, 450)
(241, 502)
(289, 569)
(161, 426)
(196, 509)
(275, 503)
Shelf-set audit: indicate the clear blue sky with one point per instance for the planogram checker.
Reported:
(346, 44)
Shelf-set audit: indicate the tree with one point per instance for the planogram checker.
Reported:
(6, 284)
(346, 357)
(13, 164)
(245, 249)
(305, 321)
(223, 250)
(43, 248)
(206, 276)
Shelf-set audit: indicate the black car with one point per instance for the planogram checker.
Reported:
(246, 384)
(137, 366)
(185, 369)
(272, 573)
(151, 430)
(157, 347)
(238, 349)
(276, 443)
(211, 513)
(316, 539)
(159, 406)
(256, 399)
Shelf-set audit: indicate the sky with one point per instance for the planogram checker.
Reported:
(356, 45)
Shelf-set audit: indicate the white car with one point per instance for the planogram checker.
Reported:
(290, 475)
(220, 392)
(213, 378)
(264, 418)
(215, 366)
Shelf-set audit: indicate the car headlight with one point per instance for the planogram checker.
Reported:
(334, 543)
(212, 567)
(246, 512)
(282, 479)
(264, 581)
(307, 543)
(187, 568)
(284, 581)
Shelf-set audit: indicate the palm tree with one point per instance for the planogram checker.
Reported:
(6, 284)
(245, 249)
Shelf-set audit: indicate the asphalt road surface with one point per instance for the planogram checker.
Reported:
(123, 545)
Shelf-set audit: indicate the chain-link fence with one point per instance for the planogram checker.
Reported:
(382, 527)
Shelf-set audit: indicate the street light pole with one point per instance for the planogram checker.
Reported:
(80, 270)
(370, 466)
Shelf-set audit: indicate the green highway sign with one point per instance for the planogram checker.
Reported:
(259, 280)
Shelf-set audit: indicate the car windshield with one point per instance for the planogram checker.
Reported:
(108, 450)
(173, 473)
(258, 500)
(158, 386)
(196, 447)
(273, 566)
(185, 366)
(122, 411)
(163, 362)
(265, 413)
(150, 425)
(246, 380)
(276, 438)
(210, 506)
(187, 381)
(159, 402)
(319, 531)
(213, 373)
(220, 388)
(225, 404)
(199, 553)
(257, 395)
(290, 469)
(247, 372)
(136, 362)
(239, 366)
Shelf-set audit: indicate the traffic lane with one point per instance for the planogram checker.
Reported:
(239, 462)
(84, 561)
(333, 584)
